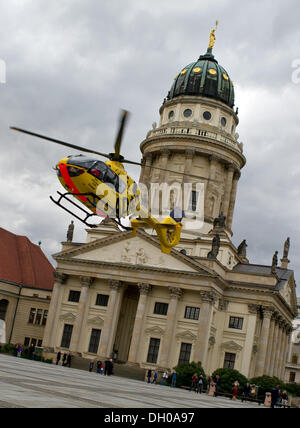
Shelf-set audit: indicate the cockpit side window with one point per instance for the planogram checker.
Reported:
(81, 161)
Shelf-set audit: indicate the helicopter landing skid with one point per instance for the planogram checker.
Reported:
(87, 214)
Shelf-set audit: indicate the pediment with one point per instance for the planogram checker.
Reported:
(155, 330)
(231, 346)
(96, 320)
(188, 335)
(68, 317)
(140, 250)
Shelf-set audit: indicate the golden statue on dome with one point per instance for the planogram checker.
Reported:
(212, 37)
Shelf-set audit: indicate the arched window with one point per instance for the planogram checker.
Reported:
(3, 309)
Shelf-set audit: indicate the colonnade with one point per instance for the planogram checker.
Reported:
(273, 343)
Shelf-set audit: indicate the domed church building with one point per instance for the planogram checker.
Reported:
(118, 296)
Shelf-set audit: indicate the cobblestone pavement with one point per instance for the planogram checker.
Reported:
(31, 384)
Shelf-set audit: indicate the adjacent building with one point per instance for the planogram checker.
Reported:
(26, 283)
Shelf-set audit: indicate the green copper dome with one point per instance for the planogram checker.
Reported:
(204, 77)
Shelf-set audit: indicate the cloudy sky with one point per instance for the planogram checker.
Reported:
(72, 64)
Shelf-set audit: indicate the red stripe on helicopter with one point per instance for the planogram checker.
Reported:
(65, 175)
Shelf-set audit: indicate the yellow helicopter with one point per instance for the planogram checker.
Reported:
(106, 189)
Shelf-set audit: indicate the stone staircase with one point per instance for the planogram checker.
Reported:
(122, 370)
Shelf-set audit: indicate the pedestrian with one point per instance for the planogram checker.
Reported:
(69, 359)
(20, 349)
(58, 357)
(217, 381)
(268, 399)
(31, 352)
(64, 359)
(212, 387)
(194, 383)
(200, 384)
(275, 396)
(99, 366)
(149, 374)
(110, 368)
(174, 378)
(235, 389)
(155, 377)
(16, 350)
(246, 391)
(91, 366)
(106, 367)
(164, 378)
(284, 399)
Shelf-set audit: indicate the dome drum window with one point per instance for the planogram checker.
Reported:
(171, 115)
(207, 115)
(187, 112)
(223, 121)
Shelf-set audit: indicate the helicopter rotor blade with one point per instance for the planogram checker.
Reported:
(63, 143)
(118, 142)
(168, 170)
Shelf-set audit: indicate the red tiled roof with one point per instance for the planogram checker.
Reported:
(23, 262)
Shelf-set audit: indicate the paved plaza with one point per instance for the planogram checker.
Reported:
(31, 384)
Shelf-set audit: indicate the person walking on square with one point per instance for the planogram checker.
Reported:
(91, 366)
(235, 389)
(64, 359)
(246, 391)
(275, 396)
(110, 368)
(164, 378)
(212, 387)
(155, 377)
(69, 358)
(217, 381)
(99, 366)
(174, 378)
(200, 385)
(58, 357)
(149, 374)
(284, 399)
(20, 349)
(194, 383)
(31, 352)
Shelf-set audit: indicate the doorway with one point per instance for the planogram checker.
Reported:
(126, 322)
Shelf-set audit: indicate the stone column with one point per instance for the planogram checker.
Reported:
(228, 187)
(209, 185)
(85, 284)
(111, 319)
(54, 309)
(138, 323)
(274, 345)
(204, 323)
(146, 172)
(232, 200)
(283, 354)
(163, 164)
(270, 345)
(263, 342)
(278, 348)
(189, 155)
(168, 339)
(248, 347)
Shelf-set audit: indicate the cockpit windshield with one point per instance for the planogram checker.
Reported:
(81, 161)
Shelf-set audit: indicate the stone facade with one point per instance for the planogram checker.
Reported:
(164, 308)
